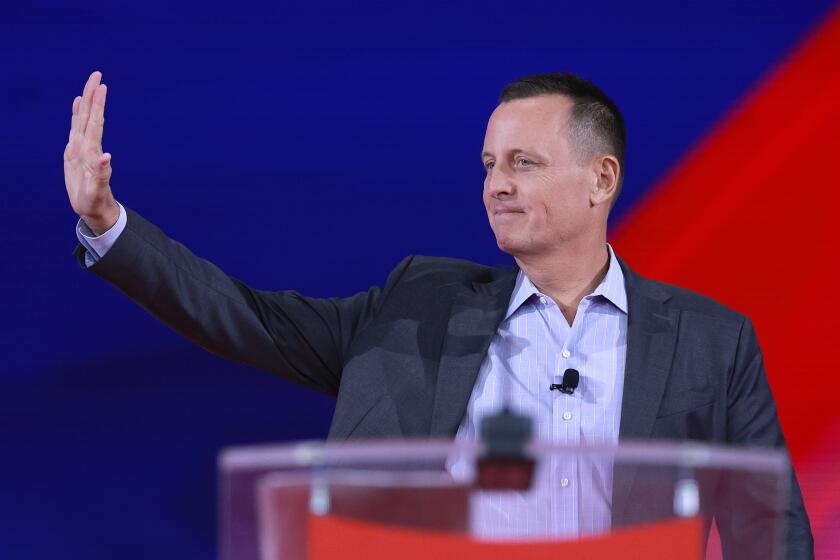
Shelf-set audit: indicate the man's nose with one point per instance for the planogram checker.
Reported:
(499, 183)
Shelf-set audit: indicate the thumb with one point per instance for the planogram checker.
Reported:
(104, 170)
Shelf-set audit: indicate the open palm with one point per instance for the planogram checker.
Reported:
(87, 171)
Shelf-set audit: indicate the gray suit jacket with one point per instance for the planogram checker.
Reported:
(402, 359)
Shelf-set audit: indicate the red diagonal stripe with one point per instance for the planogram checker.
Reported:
(749, 217)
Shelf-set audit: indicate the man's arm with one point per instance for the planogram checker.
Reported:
(303, 339)
(753, 421)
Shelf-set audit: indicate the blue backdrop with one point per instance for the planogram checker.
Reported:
(305, 146)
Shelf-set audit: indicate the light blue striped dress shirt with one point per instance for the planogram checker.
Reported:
(532, 348)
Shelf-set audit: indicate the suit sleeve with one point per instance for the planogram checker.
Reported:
(300, 338)
(752, 420)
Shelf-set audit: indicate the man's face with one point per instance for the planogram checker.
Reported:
(537, 186)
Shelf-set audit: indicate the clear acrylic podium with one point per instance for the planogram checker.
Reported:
(438, 499)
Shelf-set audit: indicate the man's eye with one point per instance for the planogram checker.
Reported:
(524, 161)
(488, 166)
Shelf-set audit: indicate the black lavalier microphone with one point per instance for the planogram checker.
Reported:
(571, 378)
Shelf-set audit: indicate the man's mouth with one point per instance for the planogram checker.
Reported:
(498, 211)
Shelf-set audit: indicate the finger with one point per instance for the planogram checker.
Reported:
(87, 98)
(73, 124)
(96, 123)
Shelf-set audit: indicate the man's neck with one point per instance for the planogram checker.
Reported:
(569, 273)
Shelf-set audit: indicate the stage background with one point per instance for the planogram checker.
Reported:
(311, 146)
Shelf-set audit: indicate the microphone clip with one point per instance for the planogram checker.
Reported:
(571, 378)
(562, 388)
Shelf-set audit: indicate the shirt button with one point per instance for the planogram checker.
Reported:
(566, 353)
(567, 416)
(564, 482)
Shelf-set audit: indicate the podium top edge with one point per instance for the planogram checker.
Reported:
(313, 454)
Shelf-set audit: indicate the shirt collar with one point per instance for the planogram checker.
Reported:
(611, 287)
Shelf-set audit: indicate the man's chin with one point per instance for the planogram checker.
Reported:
(509, 245)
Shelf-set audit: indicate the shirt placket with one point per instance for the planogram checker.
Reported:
(572, 413)
(564, 486)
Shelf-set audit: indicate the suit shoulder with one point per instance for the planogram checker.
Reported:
(441, 271)
(689, 300)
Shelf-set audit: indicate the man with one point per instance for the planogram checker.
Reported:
(445, 341)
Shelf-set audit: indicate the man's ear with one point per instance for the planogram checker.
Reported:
(606, 169)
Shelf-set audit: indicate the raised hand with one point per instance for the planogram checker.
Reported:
(87, 171)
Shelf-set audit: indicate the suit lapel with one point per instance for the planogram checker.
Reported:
(651, 341)
(475, 316)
